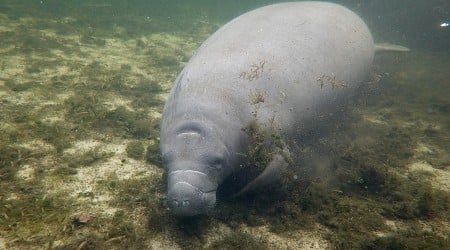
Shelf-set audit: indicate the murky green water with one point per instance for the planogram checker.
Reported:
(82, 86)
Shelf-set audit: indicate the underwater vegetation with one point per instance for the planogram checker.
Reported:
(81, 92)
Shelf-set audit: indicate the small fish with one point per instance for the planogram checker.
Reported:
(445, 24)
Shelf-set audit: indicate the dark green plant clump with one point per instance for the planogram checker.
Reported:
(262, 143)
(57, 134)
(87, 158)
(27, 216)
(10, 159)
(262, 146)
(414, 238)
(135, 150)
(88, 111)
(131, 122)
(19, 87)
(153, 155)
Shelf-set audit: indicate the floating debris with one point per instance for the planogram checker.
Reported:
(445, 24)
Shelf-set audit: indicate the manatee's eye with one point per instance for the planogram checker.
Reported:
(216, 162)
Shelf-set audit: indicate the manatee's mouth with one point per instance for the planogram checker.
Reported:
(190, 193)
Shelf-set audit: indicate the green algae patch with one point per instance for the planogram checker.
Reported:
(263, 145)
(144, 94)
(414, 238)
(101, 232)
(153, 155)
(87, 158)
(135, 150)
(134, 123)
(31, 217)
(19, 87)
(10, 160)
(88, 111)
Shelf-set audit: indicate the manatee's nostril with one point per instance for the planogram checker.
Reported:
(184, 203)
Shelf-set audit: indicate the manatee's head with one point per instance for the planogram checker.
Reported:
(190, 192)
(196, 162)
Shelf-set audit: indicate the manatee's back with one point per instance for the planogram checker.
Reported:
(283, 63)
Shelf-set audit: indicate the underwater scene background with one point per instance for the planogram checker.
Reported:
(82, 86)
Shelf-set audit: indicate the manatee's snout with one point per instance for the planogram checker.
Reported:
(190, 193)
(184, 199)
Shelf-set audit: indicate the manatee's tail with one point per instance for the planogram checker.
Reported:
(381, 47)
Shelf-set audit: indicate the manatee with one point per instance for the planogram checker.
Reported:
(284, 67)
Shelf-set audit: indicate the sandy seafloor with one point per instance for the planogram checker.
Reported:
(80, 102)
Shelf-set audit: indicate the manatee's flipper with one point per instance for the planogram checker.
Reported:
(271, 174)
(381, 47)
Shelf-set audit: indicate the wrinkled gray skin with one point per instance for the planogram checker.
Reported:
(286, 66)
